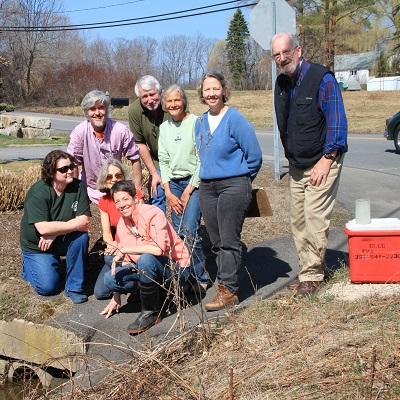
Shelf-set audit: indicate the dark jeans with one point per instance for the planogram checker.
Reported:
(186, 226)
(159, 199)
(148, 269)
(224, 203)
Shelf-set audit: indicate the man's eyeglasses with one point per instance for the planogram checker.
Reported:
(66, 168)
(284, 53)
(116, 176)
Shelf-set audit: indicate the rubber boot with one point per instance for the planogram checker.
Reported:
(150, 314)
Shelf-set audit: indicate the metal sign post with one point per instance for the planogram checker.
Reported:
(281, 18)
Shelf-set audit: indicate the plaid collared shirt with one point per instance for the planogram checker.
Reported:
(331, 104)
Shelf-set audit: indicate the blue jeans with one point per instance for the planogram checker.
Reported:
(224, 203)
(101, 291)
(159, 199)
(148, 269)
(124, 281)
(156, 269)
(42, 270)
(186, 226)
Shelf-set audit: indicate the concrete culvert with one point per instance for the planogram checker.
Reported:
(39, 350)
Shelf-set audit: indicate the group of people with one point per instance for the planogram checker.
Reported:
(201, 167)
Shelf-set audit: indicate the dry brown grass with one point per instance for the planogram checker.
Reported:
(13, 187)
(285, 348)
(366, 111)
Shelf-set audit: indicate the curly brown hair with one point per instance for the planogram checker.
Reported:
(49, 166)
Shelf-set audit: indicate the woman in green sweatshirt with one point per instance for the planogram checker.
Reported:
(179, 166)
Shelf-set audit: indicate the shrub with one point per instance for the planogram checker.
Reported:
(6, 107)
(13, 188)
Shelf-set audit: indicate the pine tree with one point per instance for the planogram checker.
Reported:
(238, 33)
(382, 67)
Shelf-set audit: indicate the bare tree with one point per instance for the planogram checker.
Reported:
(99, 53)
(218, 60)
(200, 49)
(174, 53)
(255, 74)
(27, 47)
(132, 59)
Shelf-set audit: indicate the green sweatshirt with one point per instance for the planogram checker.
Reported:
(177, 151)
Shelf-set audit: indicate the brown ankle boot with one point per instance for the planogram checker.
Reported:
(224, 298)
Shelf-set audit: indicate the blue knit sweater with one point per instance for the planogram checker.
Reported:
(231, 150)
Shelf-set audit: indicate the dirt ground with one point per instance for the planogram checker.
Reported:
(17, 300)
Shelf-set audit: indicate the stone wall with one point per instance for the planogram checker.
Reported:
(25, 127)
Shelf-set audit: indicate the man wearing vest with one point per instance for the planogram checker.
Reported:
(313, 129)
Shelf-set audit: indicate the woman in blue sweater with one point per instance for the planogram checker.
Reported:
(230, 159)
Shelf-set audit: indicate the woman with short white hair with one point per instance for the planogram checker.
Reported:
(179, 166)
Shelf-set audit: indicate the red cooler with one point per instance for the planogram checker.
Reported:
(374, 251)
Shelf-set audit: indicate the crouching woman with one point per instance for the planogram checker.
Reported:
(148, 250)
(55, 223)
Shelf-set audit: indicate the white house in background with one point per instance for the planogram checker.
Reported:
(355, 67)
(384, 83)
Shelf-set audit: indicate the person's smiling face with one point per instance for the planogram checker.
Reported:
(64, 172)
(175, 105)
(114, 174)
(150, 99)
(97, 116)
(287, 56)
(213, 93)
(124, 203)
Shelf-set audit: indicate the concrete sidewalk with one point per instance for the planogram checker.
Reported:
(267, 268)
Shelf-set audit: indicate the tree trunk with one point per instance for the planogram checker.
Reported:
(330, 33)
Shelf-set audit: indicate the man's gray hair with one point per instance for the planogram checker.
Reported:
(174, 88)
(293, 38)
(93, 97)
(101, 183)
(147, 82)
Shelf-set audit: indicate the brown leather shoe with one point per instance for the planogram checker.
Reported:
(224, 298)
(308, 287)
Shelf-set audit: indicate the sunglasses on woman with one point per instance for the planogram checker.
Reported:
(66, 168)
(116, 176)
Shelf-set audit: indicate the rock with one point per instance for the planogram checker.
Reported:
(34, 122)
(4, 132)
(41, 344)
(7, 120)
(12, 130)
(30, 133)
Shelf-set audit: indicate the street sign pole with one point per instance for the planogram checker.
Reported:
(277, 156)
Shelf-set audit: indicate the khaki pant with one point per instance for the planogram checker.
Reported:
(310, 211)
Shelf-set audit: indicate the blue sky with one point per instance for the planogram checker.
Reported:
(212, 26)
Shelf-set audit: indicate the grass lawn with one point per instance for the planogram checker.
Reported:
(60, 139)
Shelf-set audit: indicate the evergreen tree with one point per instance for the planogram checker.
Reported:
(382, 67)
(236, 50)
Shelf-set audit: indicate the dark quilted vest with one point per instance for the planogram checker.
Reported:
(300, 121)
